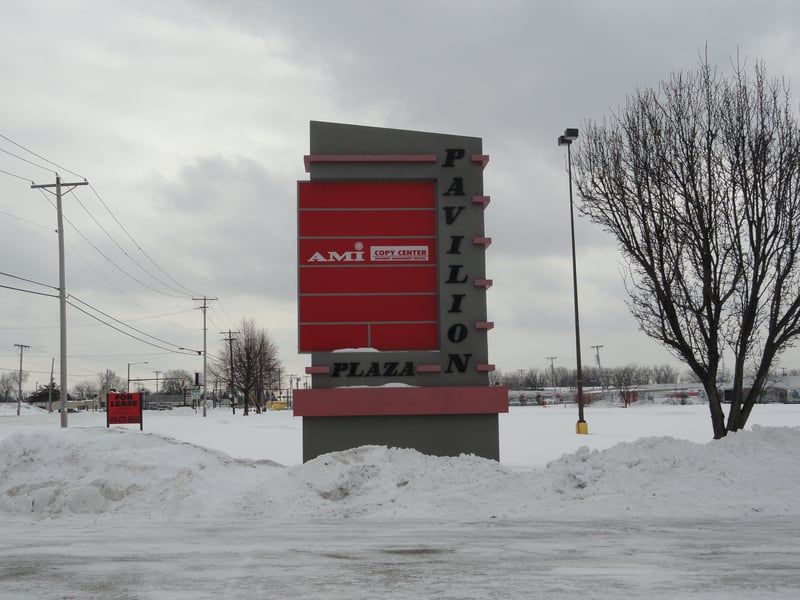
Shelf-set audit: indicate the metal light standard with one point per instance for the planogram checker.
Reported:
(581, 426)
(128, 387)
(600, 369)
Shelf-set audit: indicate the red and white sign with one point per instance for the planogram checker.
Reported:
(367, 274)
(124, 409)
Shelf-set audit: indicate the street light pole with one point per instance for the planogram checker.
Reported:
(570, 135)
(553, 374)
(599, 369)
(128, 387)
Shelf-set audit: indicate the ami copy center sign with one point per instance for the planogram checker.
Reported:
(367, 266)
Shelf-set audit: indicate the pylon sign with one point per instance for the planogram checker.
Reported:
(392, 291)
(124, 409)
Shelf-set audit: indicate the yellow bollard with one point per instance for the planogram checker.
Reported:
(582, 427)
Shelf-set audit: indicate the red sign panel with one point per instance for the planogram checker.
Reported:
(124, 409)
(367, 266)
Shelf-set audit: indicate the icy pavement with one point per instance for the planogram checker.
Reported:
(200, 509)
(757, 558)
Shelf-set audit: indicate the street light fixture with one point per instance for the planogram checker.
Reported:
(570, 135)
(128, 387)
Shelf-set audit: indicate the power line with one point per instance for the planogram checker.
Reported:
(121, 322)
(101, 253)
(30, 162)
(118, 245)
(227, 316)
(138, 246)
(8, 214)
(16, 289)
(110, 212)
(99, 274)
(130, 335)
(27, 280)
(18, 145)
(15, 175)
(169, 314)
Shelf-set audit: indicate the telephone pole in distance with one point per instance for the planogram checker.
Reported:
(204, 306)
(230, 339)
(22, 347)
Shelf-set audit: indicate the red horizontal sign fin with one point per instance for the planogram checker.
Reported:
(367, 223)
(365, 194)
(329, 337)
(400, 401)
(367, 279)
(367, 309)
(310, 159)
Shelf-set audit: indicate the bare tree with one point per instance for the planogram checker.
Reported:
(626, 378)
(10, 384)
(85, 390)
(256, 367)
(108, 381)
(699, 181)
(7, 386)
(175, 381)
(663, 374)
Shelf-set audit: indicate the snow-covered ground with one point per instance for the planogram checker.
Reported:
(221, 507)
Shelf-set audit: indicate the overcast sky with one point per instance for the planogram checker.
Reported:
(190, 120)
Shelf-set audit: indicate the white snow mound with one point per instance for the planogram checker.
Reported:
(145, 476)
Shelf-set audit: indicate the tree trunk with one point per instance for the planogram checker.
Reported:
(717, 414)
(739, 420)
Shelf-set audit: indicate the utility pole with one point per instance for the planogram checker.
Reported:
(204, 307)
(157, 374)
(553, 374)
(230, 339)
(50, 391)
(21, 347)
(62, 290)
(599, 368)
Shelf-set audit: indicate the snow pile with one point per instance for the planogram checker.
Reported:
(383, 482)
(101, 472)
(746, 472)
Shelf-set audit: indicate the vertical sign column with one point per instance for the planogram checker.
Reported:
(462, 256)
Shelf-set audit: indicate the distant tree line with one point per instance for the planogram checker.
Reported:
(623, 377)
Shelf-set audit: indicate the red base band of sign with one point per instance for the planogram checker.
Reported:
(383, 401)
